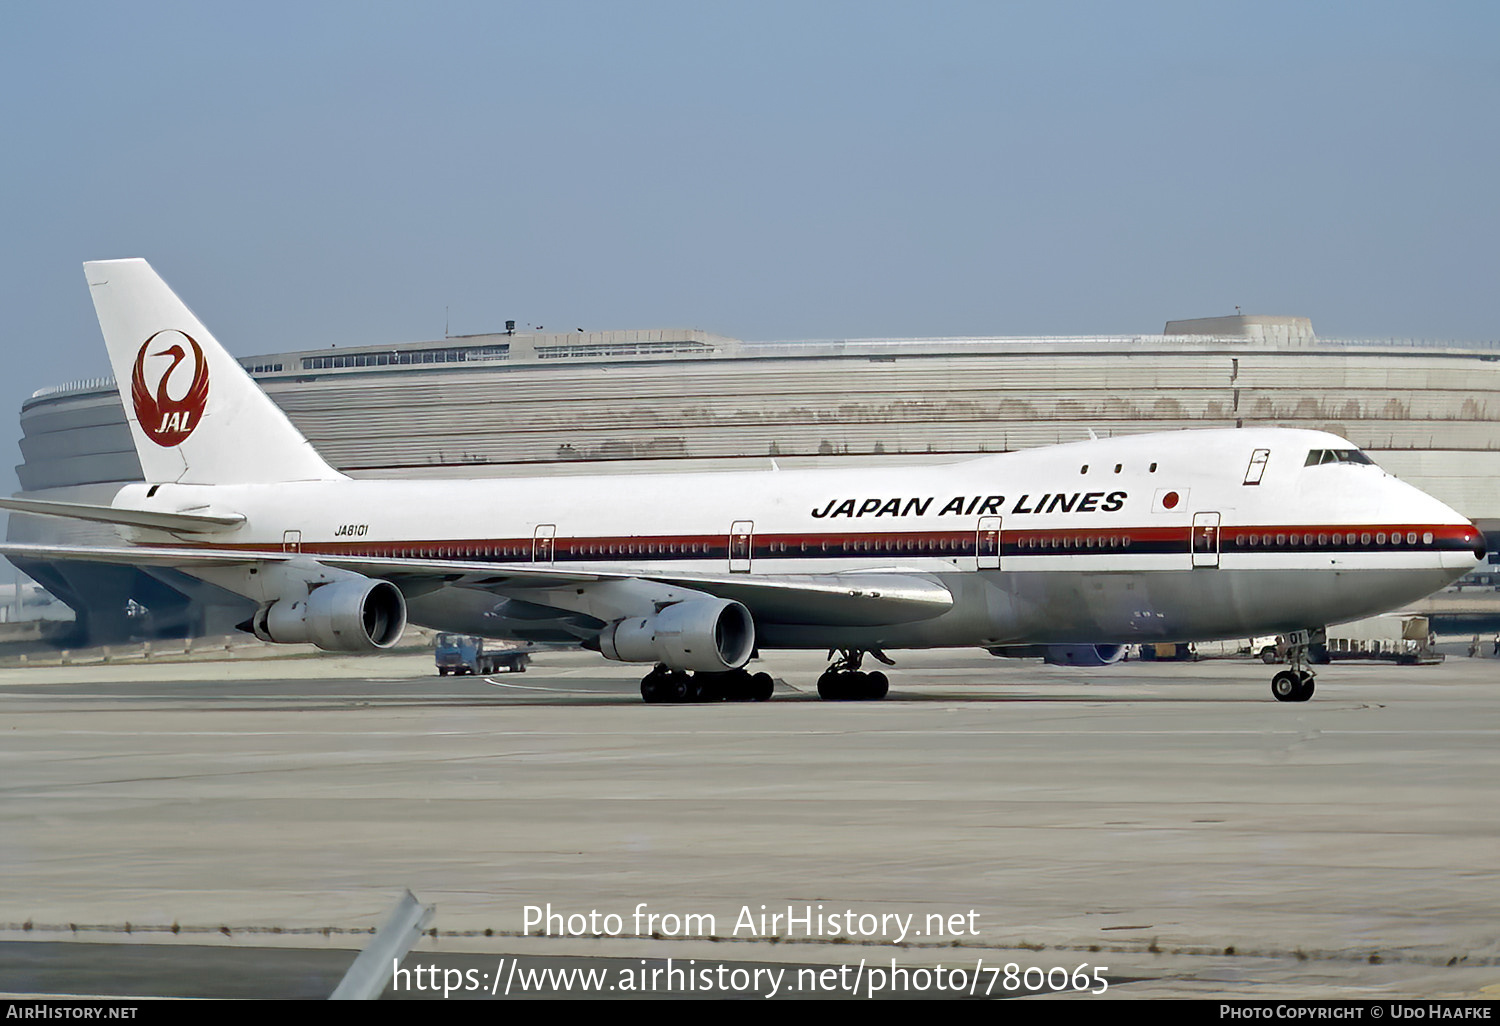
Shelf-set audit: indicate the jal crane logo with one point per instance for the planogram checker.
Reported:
(165, 420)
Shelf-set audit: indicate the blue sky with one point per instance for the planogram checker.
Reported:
(336, 173)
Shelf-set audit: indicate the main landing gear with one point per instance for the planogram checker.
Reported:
(1296, 684)
(843, 681)
(667, 685)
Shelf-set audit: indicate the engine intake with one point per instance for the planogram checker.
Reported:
(346, 616)
(711, 635)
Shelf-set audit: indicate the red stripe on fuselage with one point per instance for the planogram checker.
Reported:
(1031, 541)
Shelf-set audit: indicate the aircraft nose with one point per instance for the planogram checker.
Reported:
(1474, 538)
(1461, 537)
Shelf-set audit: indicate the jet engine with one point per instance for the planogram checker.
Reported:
(1064, 655)
(360, 615)
(706, 634)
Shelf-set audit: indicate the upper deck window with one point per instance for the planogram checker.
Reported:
(1318, 456)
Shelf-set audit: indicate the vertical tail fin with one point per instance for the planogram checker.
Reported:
(195, 415)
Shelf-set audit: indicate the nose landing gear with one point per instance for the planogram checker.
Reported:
(1296, 684)
(1292, 686)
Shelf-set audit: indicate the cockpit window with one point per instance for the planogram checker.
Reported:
(1318, 456)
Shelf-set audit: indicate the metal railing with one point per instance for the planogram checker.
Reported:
(86, 385)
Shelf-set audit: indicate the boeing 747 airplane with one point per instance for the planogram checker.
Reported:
(1177, 536)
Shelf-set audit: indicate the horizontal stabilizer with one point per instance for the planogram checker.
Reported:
(192, 523)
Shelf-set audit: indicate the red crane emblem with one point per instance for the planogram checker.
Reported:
(167, 421)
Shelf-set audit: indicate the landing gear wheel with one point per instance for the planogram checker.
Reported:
(664, 685)
(843, 680)
(1296, 684)
(1287, 687)
(1305, 688)
(729, 686)
(653, 688)
(832, 687)
(850, 685)
(761, 687)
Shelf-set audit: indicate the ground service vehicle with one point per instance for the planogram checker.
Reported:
(470, 654)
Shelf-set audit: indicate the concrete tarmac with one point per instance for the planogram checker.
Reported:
(1169, 821)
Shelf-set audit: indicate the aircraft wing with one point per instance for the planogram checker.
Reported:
(863, 599)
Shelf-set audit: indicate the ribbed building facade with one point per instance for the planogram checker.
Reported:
(508, 404)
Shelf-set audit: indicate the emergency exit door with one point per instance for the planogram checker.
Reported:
(541, 545)
(741, 545)
(987, 543)
(1205, 543)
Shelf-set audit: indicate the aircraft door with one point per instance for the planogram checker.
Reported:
(987, 543)
(291, 541)
(541, 545)
(1205, 540)
(741, 545)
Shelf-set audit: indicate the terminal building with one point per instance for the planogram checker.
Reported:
(623, 401)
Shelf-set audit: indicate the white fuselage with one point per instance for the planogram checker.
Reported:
(1174, 536)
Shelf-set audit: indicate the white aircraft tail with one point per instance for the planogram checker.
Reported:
(195, 415)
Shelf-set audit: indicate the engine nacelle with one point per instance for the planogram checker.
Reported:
(1064, 655)
(707, 634)
(346, 616)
